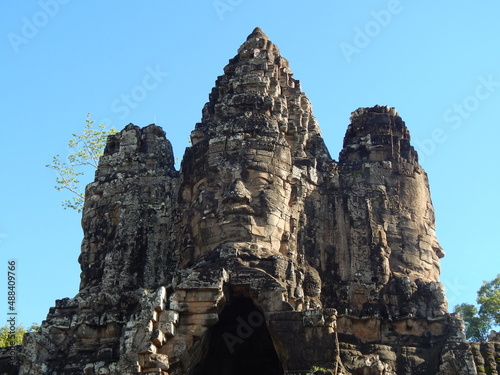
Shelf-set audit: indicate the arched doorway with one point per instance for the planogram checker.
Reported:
(240, 343)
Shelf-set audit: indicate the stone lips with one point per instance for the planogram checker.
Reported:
(339, 260)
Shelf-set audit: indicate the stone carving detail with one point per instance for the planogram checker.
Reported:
(262, 254)
(135, 183)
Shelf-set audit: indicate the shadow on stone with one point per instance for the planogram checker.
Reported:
(240, 343)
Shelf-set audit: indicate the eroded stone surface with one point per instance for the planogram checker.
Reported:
(385, 213)
(128, 213)
(262, 254)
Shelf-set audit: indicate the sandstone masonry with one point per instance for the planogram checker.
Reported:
(262, 255)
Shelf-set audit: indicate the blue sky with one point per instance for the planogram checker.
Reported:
(156, 61)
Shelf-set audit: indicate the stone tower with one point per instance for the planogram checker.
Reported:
(262, 255)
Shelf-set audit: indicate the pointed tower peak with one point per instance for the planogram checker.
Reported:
(257, 33)
(256, 42)
(258, 97)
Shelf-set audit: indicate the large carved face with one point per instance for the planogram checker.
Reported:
(243, 198)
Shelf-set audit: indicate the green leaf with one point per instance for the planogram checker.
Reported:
(87, 148)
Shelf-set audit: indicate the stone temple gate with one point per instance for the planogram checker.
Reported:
(262, 254)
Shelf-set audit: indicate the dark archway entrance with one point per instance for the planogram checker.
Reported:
(240, 344)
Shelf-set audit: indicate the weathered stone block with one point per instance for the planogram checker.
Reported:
(259, 212)
(155, 361)
(313, 318)
(158, 338)
(167, 321)
(200, 319)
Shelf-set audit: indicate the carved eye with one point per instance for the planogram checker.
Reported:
(261, 183)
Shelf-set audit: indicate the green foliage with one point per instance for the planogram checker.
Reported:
(477, 326)
(86, 148)
(488, 296)
(10, 337)
(479, 322)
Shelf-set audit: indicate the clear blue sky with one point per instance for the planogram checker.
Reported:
(438, 63)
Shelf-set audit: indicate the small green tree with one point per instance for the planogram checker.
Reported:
(13, 337)
(488, 296)
(87, 149)
(477, 325)
(479, 322)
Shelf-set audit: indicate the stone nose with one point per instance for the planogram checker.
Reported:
(237, 193)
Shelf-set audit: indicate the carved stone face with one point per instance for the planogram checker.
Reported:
(242, 199)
